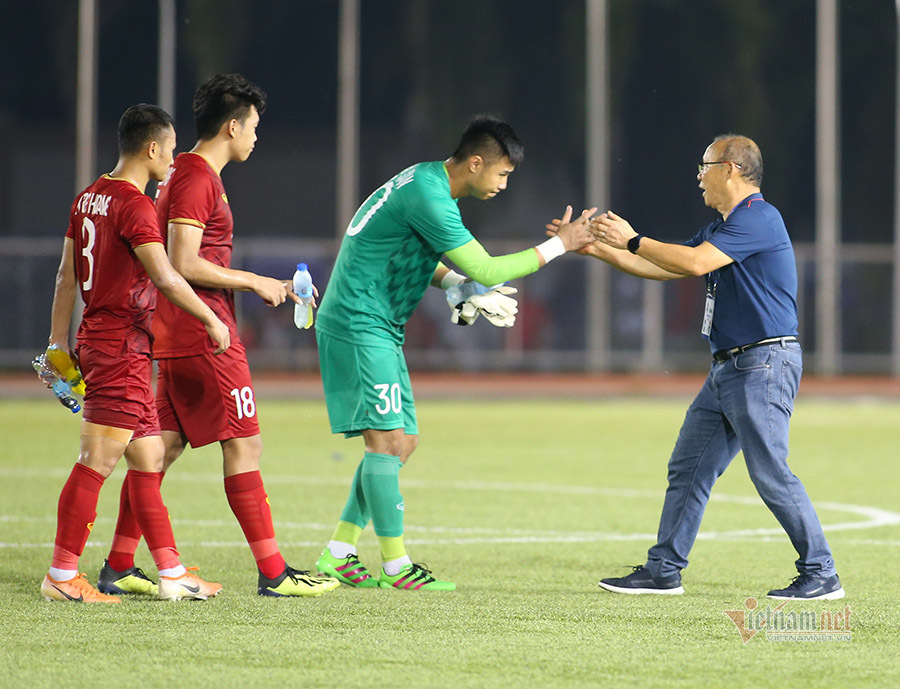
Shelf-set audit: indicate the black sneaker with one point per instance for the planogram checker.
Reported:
(810, 587)
(129, 581)
(641, 581)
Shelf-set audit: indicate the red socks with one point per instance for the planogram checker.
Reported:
(75, 515)
(246, 496)
(128, 533)
(152, 517)
(78, 509)
(250, 504)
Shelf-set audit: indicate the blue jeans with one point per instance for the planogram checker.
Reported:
(745, 404)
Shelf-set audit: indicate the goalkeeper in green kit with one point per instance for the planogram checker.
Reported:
(389, 256)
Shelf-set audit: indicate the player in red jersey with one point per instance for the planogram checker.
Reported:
(202, 398)
(113, 253)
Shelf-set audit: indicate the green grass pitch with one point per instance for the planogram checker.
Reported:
(524, 504)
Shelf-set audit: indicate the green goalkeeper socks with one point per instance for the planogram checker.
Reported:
(356, 511)
(375, 494)
(392, 548)
(381, 489)
(346, 533)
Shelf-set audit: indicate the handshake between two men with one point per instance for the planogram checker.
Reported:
(470, 300)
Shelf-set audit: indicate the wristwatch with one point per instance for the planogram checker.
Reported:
(634, 243)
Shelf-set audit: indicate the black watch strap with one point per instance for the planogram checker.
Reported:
(634, 243)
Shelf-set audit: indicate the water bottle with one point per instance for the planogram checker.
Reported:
(64, 394)
(459, 293)
(60, 360)
(61, 388)
(303, 288)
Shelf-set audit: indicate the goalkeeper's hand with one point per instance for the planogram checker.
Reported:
(496, 305)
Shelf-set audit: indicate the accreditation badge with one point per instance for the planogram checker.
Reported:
(708, 309)
(712, 282)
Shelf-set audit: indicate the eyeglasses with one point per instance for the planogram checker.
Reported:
(703, 167)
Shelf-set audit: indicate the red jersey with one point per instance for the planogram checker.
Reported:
(107, 221)
(192, 194)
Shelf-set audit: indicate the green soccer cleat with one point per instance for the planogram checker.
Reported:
(348, 570)
(295, 582)
(415, 578)
(129, 581)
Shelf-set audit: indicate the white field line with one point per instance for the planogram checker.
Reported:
(873, 517)
(524, 540)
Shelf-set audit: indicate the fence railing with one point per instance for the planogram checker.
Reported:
(652, 326)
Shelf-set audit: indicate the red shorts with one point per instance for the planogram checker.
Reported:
(207, 397)
(119, 390)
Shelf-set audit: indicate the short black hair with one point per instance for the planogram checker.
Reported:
(225, 97)
(139, 125)
(743, 151)
(492, 139)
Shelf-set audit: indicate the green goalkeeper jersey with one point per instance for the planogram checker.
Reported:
(389, 254)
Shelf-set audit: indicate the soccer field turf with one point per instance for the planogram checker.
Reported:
(525, 505)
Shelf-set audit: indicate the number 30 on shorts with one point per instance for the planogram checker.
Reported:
(390, 398)
(243, 400)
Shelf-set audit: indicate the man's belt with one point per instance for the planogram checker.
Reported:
(726, 354)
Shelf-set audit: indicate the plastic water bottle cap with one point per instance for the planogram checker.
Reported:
(301, 266)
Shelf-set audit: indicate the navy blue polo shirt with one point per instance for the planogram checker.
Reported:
(756, 296)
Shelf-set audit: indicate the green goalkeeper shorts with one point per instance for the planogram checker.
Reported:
(366, 387)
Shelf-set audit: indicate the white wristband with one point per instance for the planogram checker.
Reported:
(451, 279)
(552, 248)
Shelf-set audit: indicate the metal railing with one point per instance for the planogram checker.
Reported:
(651, 326)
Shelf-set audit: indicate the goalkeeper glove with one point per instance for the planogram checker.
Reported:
(495, 304)
(456, 296)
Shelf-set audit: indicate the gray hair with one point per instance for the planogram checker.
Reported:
(743, 151)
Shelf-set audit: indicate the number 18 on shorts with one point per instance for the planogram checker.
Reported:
(208, 397)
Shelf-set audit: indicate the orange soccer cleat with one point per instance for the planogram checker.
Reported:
(75, 590)
(187, 587)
